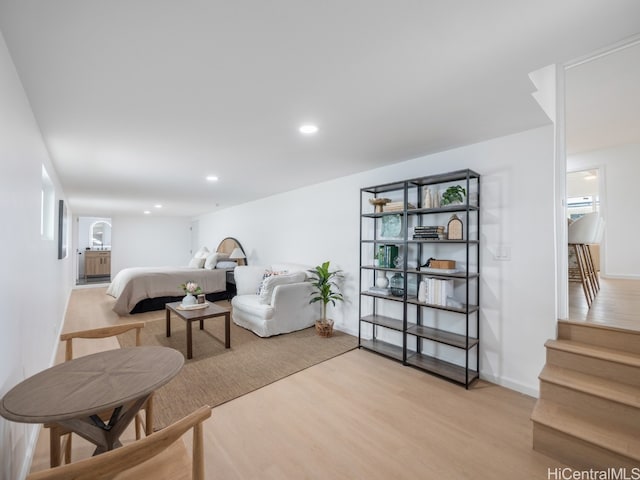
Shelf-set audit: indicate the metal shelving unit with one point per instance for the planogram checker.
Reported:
(440, 339)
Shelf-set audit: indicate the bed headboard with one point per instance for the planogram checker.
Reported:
(228, 245)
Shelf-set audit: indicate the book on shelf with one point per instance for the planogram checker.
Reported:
(397, 206)
(438, 291)
(440, 270)
(429, 228)
(380, 290)
(428, 232)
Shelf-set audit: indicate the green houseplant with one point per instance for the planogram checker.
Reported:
(325, 290)
(453, 194)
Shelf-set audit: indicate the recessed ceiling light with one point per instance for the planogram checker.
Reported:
(158, 206)
(147, 212)
(212, 178)
(308, 129)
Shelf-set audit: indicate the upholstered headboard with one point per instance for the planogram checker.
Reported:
(228, 245)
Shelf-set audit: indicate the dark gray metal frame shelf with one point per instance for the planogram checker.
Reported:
(466, 372)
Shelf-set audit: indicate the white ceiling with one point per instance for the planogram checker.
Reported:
(138, 100)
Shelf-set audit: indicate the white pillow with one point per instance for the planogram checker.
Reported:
(213, 258)
(271, 282)
(227, 264)
(201, 253)
(267, 273)
(196, 262)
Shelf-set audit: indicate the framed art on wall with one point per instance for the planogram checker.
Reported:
(62, 230)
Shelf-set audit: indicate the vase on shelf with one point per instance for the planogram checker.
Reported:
(422, 292)
(427, 202)
(397, 285)
(381, 280)
(189, 300)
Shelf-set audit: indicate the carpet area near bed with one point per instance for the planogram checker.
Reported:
(216, 375)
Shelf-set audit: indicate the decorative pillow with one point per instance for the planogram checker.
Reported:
(201, 253)
(267, 274)
(272, 281)
(227, 264)
(196, 262)
(213, 259)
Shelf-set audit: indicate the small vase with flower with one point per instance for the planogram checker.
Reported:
(190, 289)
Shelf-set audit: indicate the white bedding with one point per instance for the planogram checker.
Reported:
(132, 285)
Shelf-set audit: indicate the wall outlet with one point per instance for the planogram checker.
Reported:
(502, 252)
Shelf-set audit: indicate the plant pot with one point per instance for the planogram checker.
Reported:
(324, 328)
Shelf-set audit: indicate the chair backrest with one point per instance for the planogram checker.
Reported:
(586, 230)
(110, 464)
(102, 332)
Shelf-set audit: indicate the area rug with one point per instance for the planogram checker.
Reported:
(216, 375)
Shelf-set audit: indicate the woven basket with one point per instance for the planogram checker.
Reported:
(324, 329)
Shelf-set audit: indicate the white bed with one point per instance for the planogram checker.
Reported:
(140, 289)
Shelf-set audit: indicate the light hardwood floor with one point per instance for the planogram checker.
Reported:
(617, 304)
(357, 416)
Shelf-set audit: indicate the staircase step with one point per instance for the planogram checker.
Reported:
(616, 365)
(597, 386)
(577, 439)
(602, 335)
(611, 401)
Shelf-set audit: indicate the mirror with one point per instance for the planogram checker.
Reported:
(100, 235)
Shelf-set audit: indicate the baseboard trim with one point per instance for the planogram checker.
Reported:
(620, 276)
(512, 385)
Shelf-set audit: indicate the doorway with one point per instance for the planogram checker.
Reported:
(93, 250)
(602, 98)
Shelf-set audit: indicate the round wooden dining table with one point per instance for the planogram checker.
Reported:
(73, 393)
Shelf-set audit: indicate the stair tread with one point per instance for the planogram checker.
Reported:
(591, 384)
(623, 440)
(595, 351)
(615, 328)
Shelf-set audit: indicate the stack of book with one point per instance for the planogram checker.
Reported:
(380, 290)
(428, 231)
(438, 291)
(397, 206)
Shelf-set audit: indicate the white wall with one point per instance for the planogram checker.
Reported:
(320, 223)
(147, 241)
(34, 284)
(620, 170)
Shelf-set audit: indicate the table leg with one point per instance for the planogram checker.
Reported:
(227, 330)
(189, 352)
(201, 324)
(168, 322)
(106, 436)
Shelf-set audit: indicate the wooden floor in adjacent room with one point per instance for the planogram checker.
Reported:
(617, 304)
(360, 416)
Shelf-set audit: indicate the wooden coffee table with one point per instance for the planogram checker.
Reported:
(200, 314)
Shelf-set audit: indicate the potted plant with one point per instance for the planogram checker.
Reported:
(325, 291)
(452, 195)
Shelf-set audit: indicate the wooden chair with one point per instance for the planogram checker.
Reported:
(59, 437)
(141, 458)
(585, 231)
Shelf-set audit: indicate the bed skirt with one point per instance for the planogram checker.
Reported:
(158, 303)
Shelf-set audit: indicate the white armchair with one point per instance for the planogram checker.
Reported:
(282, 305)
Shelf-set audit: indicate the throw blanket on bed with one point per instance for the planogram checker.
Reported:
(134, 284)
